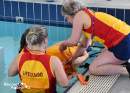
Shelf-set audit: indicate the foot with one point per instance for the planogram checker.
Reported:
(81, 79)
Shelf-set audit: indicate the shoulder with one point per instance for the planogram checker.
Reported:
(82, 18)
(81, 14)
(55, 60)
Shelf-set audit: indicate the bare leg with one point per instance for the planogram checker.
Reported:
(107, 64)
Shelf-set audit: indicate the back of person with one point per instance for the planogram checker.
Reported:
(113, 22)
(35, 72)
(34, 65)
(106, 28)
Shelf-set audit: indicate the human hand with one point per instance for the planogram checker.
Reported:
(78, 61)
(62, 47)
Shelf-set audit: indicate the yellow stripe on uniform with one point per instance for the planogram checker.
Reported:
(87, 35)
(113, 22)
(97, 39)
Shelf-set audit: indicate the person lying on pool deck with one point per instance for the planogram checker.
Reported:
(70, 67)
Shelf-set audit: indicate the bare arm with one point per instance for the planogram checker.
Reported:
(80, 20)
(82, 46)
(81, 59)
(13, 68)
(76, 31)
(59, 72)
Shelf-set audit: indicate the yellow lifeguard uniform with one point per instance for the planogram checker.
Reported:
(111, 32)
(36, 73)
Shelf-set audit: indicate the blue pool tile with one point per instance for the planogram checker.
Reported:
(29, 21)
(120, 14)
(58, 23)
(37, 11)
(59, 15)
(7, 6)
(37, 22)
(53, 23)
(52, 10)
(13, 19)
(30, 13)
(8, 19)
(65, 21)
(67, 24)
(62, 24)
(15, 9)
(45, 12)
(127, 16)
(1, 8)
(22, 8)
(45, 22)
(102, 9)
(111, 11)
(1, 18)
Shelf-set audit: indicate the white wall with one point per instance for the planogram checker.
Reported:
(36, 0)
(123, 4)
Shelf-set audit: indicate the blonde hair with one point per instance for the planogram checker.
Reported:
(71, 7)
(36, 35)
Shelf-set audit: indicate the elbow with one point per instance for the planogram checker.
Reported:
(11, 73)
